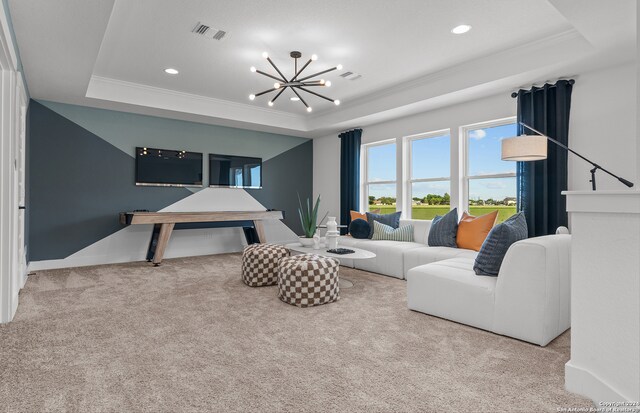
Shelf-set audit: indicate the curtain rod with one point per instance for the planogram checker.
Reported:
(350, 129)
(571, 82)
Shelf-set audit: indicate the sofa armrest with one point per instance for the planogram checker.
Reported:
(532, 297)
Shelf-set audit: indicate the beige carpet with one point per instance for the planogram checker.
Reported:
(190, 336)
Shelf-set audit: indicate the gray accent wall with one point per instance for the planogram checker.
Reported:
(78, 184)
(287, 173)
(78, 181)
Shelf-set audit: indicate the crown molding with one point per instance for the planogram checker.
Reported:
(122, 91)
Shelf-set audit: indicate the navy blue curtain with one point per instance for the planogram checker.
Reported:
(540, 183)
(349, 175)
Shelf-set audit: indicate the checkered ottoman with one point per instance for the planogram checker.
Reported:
(260, 264)
(308, 280)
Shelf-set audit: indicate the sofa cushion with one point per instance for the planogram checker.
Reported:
(389, 256)
(450, 289)
(427, 255)
(393, 220)
(498, 241)
(359, 228)
(420, 229)
(385, 232)
(472, 231)
(444, 229)
(349, 241)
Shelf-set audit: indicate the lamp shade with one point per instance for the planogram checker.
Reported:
(524, 148)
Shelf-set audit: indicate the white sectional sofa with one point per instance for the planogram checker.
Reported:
(529, 300)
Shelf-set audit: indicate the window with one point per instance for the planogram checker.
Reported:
(490, 181)
(379, 186)
(429, 174)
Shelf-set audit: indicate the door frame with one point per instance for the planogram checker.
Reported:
(13, 103)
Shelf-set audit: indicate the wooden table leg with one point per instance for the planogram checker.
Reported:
(163, 240)
(259, 226)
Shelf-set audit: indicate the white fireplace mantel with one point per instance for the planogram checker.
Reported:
(605, 295)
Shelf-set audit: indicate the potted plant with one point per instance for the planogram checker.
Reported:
(309, 221)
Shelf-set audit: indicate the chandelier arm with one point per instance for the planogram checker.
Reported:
(317, 74)
(268, 75)
(279, 93)
(266, 91)
(317, 94)
(284, 79)
(301, 69)
(299, 97)
(307, 84)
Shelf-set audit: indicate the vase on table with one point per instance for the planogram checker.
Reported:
(332, 233)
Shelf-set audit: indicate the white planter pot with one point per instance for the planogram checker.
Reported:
(306, 242)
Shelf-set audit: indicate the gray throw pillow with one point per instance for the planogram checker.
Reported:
(443, 230)
(393, 220)
(497, 243)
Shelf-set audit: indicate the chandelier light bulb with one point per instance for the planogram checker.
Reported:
(339, 67)
(327, 83)
(253, 69)
(276, 85)
(314, 57)
(265, 55)
(252, 96)
(270, 103)
(337, 102)
(309, 109)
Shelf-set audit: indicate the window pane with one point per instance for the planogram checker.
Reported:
(485, 150)
(381, 163)
(429, 199)
(430, 157)
(382, 197)
(489, 194)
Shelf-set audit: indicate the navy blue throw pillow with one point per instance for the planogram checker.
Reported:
(444, 230)
(393, 220)
(359, 229)
(497, 243)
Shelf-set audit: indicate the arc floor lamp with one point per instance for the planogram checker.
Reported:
(534, 148)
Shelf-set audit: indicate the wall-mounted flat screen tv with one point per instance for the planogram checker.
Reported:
(235, 171)
(164, 167)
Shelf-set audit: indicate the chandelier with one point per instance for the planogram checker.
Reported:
(296, 83)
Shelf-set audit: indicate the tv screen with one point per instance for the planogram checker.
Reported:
(235, 171)
(168, 168)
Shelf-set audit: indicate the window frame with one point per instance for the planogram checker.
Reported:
(408, 160)
(464, 157)
(364, 172)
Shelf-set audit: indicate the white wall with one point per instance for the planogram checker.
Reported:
(602, 127)
(326, 150)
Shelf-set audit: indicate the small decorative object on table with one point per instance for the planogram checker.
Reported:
(341, 251)
(316, 241)
(332, 233)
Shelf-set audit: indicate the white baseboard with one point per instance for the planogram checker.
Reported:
(14, 306)
(585, 383)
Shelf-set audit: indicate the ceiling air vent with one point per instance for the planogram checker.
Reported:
(350, 76)
(208, 32)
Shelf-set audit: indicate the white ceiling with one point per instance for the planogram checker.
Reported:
(112, 54)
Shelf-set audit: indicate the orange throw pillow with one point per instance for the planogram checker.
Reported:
(357, 215)
(473, 230)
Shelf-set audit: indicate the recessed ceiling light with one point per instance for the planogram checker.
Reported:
(294, 98)
(463, 28)
(171, 71)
